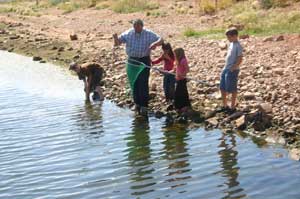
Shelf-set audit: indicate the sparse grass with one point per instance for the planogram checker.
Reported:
(208, 33)
(256, 22)
(130, 6)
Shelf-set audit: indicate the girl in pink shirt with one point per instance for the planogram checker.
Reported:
(181, 101)
(168, 59)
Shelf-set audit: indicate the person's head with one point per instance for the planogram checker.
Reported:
(232, 34)
(138, 25)
(74, 67)
(167, 48)
(179, 54)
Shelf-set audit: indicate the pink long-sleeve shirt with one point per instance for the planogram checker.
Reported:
(182, 69)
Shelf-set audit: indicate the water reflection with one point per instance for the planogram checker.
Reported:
(139, 157)
(229, 161)
(89, 119)
(175, 151)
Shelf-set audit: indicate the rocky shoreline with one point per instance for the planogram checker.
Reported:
(269, 99)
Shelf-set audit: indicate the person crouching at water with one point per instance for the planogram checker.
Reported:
(181, 102)
(91, 74)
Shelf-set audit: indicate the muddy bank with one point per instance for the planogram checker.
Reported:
(269, 80)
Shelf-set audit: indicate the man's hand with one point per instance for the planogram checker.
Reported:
(116, 39)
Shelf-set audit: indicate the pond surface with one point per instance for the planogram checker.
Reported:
(54, 145)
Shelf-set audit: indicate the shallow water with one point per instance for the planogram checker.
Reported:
(54, 145)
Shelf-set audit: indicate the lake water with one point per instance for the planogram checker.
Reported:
(54, 145)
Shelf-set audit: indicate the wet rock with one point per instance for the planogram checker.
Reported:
(234, 116)
(294, 154)
(73, 37)
(212, 122)
(42, 61)
(241, 122)
(159, 114)
(37, 58)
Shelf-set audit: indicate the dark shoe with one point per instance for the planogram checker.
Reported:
(222, 109)
(231, 111)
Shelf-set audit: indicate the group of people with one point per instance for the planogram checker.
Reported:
(139, 44)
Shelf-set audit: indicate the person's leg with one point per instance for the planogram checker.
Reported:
(232, 88)
(224, 98)
(233, 100)
(172, 86)
(223, 88)
(165, 86)
(99, 91)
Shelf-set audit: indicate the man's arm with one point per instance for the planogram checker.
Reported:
(159, 42)
(88, 87)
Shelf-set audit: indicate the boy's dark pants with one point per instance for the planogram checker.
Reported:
(141, 86)
(169, 86)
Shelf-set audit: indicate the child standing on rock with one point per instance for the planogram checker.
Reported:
(181, 101)
(169, 80)
(229, 75)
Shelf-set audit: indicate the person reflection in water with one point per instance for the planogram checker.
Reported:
(230, 170)
(89, 119)
(139, 157)
(176, 153)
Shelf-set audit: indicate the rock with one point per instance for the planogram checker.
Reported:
(249, 96)
(14, 37)
(265, 108)
(234, 116)
(2, 32)
(223, 45)
(294, 154)
(244, 36)
(239, 27)
(279, 38)
(268, 39)
(73, 37)
(61, 49)
(278, 71)
(212, 121)
(37, 58)
(241, 122)
(159, 114)
(42, 61)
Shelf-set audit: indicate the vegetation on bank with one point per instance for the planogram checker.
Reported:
(255, 21)
(259, 17)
